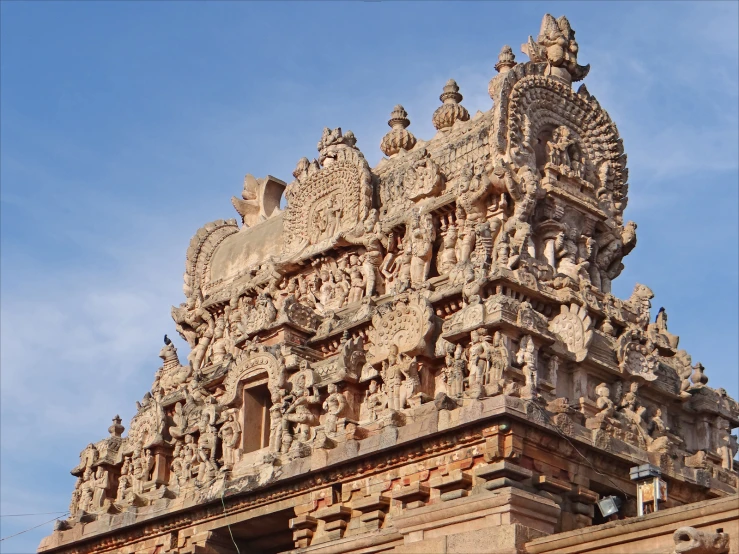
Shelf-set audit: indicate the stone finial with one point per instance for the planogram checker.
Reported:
(451, 110)
(506, 59)
(116, 430)
(332, 141)
(398, 138)
(556, 46)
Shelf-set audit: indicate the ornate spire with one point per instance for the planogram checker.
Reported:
(506, 59)
(451, 110)
(116, 430)
(398, 138)
(556, 46)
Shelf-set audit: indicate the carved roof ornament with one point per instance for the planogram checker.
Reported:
(506, 59)
(451, 110)
(398, 138)
(574, 327)
(259, 200)
(116, 430)
(324, 201)
(556, 46)
(407, 324)
(637, 354)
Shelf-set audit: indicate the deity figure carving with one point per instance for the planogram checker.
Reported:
(658, 433)
(447, 257)
(100, 485)
(503, 251)
(375, 401)
(230, 435)
(86, 491)
(192, 321)
(334, 406)
(640, 302)
(399, 280)
(604, 403)
(74, 503)
(356, 279)
(260, 316)
(206, 453)
(610, 248)
(423, 235)
(125, 481)
(375, 243)
(424, 177)
(400, 376)
(299, 413)
(500, 359)
(527, 357)
(221, 347)
(569, 260)
(455, 371)
(564, 154)
(480, 358)
(472, 193)
(472, 288)
(177, 472)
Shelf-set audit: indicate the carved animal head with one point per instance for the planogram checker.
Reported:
(168, 352)
(689, 540)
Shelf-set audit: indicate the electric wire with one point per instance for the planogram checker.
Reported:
(559, 432)
(30, 529)
(36, 514)
(533, 404)
(229, 525)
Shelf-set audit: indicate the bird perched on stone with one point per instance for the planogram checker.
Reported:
(167, 340)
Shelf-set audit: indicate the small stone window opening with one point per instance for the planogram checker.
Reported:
(255, 425)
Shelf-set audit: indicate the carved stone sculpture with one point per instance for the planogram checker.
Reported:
(474, 268)
(259, 200)
(689, 540)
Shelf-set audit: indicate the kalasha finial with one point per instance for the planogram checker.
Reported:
(451, 110)
(116, 430)
(506, 59)
(398, 138)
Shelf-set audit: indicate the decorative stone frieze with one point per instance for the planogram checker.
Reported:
(419, 350)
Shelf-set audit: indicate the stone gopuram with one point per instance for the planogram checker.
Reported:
(424, 356)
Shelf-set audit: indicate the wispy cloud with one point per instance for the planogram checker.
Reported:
(96, 224)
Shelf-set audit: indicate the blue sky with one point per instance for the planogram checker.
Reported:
(126, 126)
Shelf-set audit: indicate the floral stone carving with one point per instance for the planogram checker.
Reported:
(574, 327)
(407, 325)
